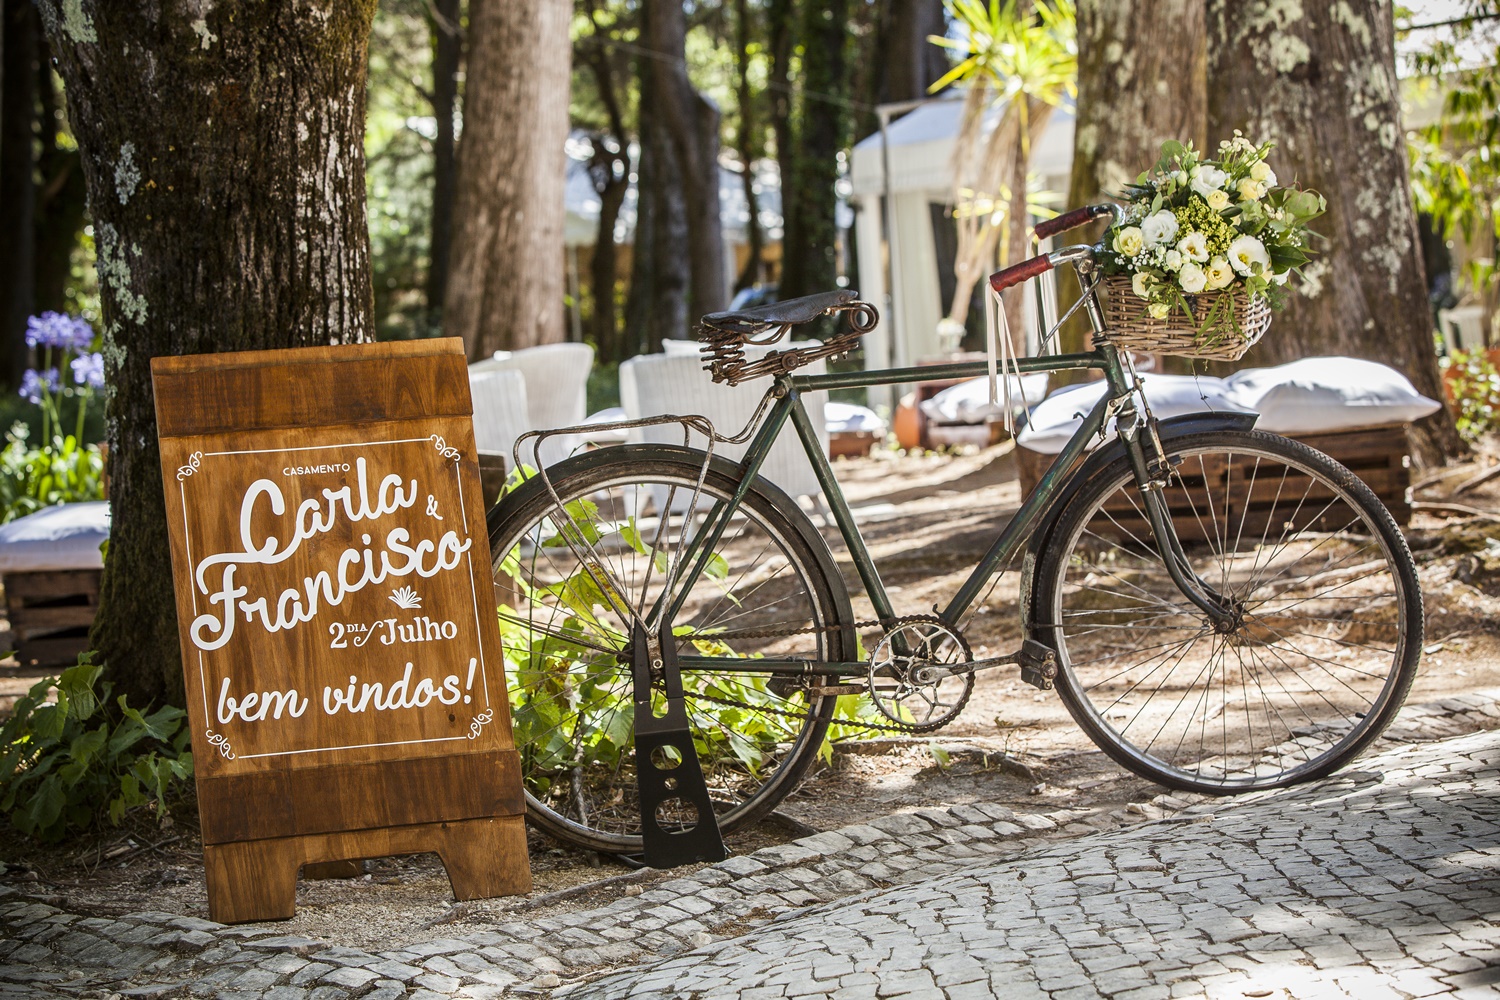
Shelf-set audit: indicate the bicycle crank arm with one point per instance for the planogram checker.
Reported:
(1038, 663)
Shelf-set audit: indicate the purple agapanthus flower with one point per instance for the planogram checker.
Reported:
(56, 330)
(34, 382)
(88, 369)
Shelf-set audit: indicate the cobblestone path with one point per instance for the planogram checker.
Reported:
(1380, 882)
(1383, 882)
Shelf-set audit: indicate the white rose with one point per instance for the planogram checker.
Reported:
(1247, 255)
(1171, 260)
(1128, 241)
(1191, 278)
(1250, 189)
(1158, 228)
(1217, 200)
(1219, 273)
(1139, 283)
(1194, 246)
(1158, 310)
(1206, 179)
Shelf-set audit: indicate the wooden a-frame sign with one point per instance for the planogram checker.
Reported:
(336, 606)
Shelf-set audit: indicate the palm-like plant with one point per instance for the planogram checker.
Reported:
(1021, 59)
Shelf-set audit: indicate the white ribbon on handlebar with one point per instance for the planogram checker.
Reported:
(1001, 358)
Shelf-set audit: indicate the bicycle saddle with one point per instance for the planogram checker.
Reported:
(792, 312)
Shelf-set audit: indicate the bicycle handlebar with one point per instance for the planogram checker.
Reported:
(1072, 220)
(1027, 269)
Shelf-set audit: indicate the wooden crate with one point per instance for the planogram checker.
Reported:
(50, 614)
(852, 444)
(1377, 455)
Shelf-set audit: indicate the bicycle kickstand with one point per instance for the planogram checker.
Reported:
(667, 771)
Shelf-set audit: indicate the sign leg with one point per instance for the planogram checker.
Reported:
(251, 880)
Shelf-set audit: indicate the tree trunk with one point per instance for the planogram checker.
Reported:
(224, 158)
(1323, 87)
(447, 52)
(810, 244)
(691, 123)
(781, 29)
(609, 171)
(17, 189)
(745, 144)
(912, 63)
(61, 196)
(505, 287)
(1142, 79)
(657, 308)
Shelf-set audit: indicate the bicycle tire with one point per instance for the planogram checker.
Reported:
(773, 557)
(1304, 693)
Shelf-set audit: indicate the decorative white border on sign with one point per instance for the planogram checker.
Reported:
(476, 724)
(219, 741)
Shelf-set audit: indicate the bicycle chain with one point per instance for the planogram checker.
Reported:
(888, 624)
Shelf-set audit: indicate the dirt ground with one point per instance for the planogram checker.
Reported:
(926, 518)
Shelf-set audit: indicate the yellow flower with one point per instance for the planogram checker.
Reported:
(1158, 310)
(1217, 200)
(1250, 189)
(1219, 273)
(1262, 173)
(1140, 285)
(1128, 241)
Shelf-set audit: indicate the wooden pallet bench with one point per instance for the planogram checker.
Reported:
(50, 613)
(1377, 455)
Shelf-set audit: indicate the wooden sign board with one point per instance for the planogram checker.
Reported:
(336, 606)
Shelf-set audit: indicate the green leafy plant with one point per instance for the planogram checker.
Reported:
(65, 763)
(1474, 384)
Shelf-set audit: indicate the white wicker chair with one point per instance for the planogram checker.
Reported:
(557, 377)
(500, 414)
(654, 384)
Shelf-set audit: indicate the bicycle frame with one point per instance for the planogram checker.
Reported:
(789, 390)
(1119, 402)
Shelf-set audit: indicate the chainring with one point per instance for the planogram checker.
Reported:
(897, 684)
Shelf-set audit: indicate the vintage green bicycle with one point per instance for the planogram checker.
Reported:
(1220, 609)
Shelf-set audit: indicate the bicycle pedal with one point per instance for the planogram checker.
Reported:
(1038, 664)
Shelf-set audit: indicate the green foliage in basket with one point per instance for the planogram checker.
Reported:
(1195, 225)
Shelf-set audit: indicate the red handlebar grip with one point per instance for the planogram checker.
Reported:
(1070, 220)
(1017, 273)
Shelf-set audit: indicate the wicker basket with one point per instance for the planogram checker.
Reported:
(1131, 328)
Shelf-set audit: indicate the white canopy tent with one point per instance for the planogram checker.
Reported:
(895, 192)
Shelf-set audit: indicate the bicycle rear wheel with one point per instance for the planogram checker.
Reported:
(1327, 630)
(770, 590)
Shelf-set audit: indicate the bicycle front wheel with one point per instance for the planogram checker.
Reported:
(1327, 616)
(769, 591)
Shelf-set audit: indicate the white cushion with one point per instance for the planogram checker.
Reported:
(1328, 394)
(678, 348)
(969, 402)
(843, 417)
(65, 536)
(613, 414)
(1053, 423)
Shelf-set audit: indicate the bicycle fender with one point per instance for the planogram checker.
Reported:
(1168, 430)
(727, 467)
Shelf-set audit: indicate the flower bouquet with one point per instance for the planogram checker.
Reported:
(1204, 252)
